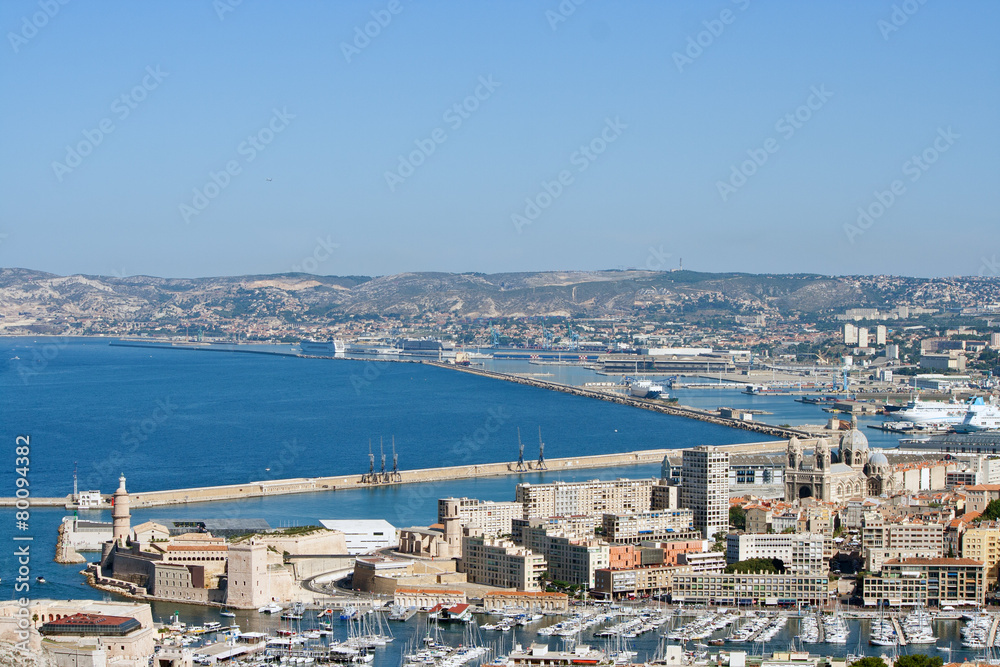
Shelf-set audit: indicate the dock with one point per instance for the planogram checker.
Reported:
(901, 636)
(282, 487)
(645, 404)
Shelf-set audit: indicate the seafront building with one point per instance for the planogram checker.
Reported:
(495, 561)
(705, 488)
(931, 582)
(801, 553)
(569, 558)
(892, 537)
(751, 589)
(981, 542)
(619, 496)
(492, 518)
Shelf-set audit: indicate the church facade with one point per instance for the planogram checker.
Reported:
(852, 472)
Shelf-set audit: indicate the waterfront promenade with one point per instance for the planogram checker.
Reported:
(281, 487)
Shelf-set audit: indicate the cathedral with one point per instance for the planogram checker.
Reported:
(854, 472)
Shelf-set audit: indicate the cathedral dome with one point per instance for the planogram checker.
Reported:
(853, 440)
(878, 459)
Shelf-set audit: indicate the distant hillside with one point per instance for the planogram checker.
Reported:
(37, 301)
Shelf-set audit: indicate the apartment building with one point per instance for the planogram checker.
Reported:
(891, 537)
(748, 589)
(492, 518)
(620, 496)
(499, 562)
(581, 524)
(932, 582)
(981, 542)
(635, 528)
(801, 553)
(979, 496)
(568, 557)
(705, 488)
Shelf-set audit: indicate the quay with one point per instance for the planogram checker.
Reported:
(645, 404)
(281, 487)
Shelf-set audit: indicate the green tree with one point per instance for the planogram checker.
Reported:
(870, 661)
(991, 513)
(765, 565)
(737, 518)
(919, 660)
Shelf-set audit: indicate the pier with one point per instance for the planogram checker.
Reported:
(282, 487)
(645, 404)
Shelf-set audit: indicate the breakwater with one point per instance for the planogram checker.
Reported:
(645, 404)
(281, 487)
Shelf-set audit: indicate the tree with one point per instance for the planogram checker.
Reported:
(790, 529)
(991, 513)
(754, 565)
(737, 518)
(870, 661)
(919, 660)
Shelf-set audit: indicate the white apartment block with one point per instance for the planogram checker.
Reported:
(635, 528)
(801, 553)
(883, 539)
(492, 518)
(705, 488)
(568, 557)
(498, 562)
(620, 496)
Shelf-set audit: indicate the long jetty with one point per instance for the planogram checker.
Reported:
(282, 487)
(645, 404)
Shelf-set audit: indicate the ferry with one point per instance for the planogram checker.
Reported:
(646, 389)
(974, 415)
(322, 348)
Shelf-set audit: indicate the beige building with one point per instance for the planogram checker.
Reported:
(529, 601)
(620, 496)
(981, 542)
(979, 496)
(931, 582)
(498, 562)
(492, 518)
(568, 557)
(425, 598)
(766, 589)
(646, 526)
(248, 585)
(896, 537)
(758, 518)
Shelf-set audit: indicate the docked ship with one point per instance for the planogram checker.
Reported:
(940, 412)
(322, 347)
(981, 416)
(426, 347)
(646, 389)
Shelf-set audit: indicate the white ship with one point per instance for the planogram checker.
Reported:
(981, 416)
(322, 347)
(646, 389)
(932, 412)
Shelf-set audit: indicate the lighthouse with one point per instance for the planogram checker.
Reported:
(120, 514)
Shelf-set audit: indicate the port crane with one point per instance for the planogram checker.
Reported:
(541, 451)
(520, 453)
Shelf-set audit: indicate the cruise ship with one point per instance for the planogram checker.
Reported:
(981, 416)
(932, 412)
(322, 347)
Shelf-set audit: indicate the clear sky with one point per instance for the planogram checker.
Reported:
(739, 136)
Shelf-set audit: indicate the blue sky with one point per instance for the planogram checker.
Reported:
(615, 135)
